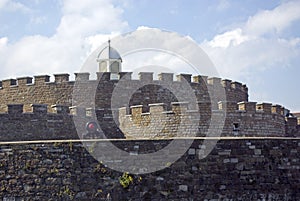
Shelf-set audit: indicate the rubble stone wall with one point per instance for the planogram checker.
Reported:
(235, 169)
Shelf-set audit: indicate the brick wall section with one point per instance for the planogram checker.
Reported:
(235, 169)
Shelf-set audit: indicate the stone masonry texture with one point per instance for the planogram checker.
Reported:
(93, 97)
(42, 158)
(235, 170)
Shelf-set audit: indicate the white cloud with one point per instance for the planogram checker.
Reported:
(83, 25)
(84, 18)
(13, 6)
(254, 55)
(3, 42)
(96, 40)
(3, 3)
(143, 27)
(274, 20)
(150, 49)
(246, 48)
(255, 50)
(234, 37)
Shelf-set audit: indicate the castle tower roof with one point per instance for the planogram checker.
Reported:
(109, 60)
(109, 53)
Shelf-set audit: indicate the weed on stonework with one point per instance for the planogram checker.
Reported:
(71, 146)
(66, 192)
(125, 180)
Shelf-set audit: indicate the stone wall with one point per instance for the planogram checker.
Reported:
(39, 124)
(240, 119)
(97, 96)
(240, 169)
(24, 91)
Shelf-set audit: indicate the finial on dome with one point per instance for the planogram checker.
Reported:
(109, 60)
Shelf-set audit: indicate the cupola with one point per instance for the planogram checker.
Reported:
(110, 60)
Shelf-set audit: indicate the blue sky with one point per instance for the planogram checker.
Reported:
(255, 42)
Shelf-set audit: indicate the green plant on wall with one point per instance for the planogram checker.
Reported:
(125, 180)
(71, 146)
(66, 191)
(57, 144)
(53, 170)
(27, 165)
(3, 186)
(91, 148)
(99, 168)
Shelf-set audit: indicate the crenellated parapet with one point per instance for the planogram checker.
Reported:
(39, 89)
(105, 76)
(38, 124)
(254, 119)
(36, 80)
(151, 102)
(158, 122)
(241, 119)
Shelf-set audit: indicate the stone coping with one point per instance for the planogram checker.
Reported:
(148, 139)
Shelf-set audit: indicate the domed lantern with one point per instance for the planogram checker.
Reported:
(110, 60)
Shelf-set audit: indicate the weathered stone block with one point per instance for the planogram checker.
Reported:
(64, 77)
(184, 78)
(41, 79)
(23, 81)
(146, 76)
(157, 108)
(214, 81)
(61, 109)
(15, 108)
(183, 188)
(82, 76)
(125, 75)
(247, 106)
(166, 77)
(200, 79)
(8, 83)
(39, 108)
(265, 107)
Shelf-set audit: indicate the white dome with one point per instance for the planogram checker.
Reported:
(109, 53)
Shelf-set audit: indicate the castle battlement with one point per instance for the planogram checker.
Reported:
(242, 118)
(41, 109)
(37, 124)
(150, 105)
(38, 80)
(183, 107)
(229, 148)
(106, 76)
(39, 90)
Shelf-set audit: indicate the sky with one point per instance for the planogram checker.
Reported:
(254, 42)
